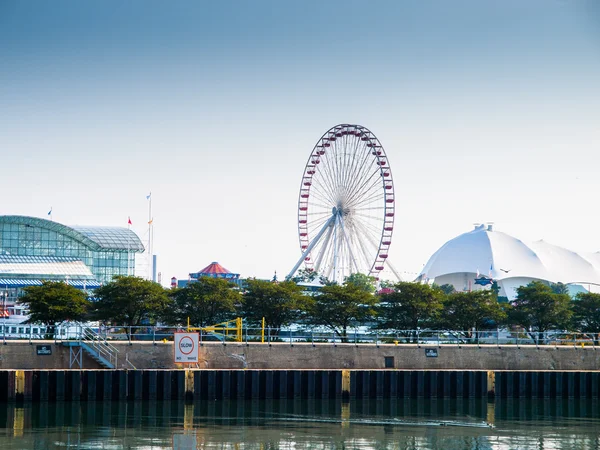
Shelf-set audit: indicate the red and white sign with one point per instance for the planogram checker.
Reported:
(186, 347)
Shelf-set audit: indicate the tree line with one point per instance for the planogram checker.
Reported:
(401, 308)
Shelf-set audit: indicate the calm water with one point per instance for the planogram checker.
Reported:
(373, 424)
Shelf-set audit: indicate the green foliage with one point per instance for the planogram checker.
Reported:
(586, 312)
(365, 282)
(130, 301)
(410, 306)
(447, 289)
(54, 302)
(539, 309)
(339, 307)
(305, 276)
(386, 284)
(205, 302)
(475, 310)
(559, 288)
(279, 303)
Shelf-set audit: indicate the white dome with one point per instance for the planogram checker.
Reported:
(508, 260)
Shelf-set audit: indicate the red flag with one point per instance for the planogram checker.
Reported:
(129, 221)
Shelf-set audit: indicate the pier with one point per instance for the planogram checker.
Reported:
(207, 385)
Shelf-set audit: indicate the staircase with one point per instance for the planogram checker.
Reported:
(95, 345)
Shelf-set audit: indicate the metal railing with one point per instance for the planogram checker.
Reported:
(100, 338)
(99, 344)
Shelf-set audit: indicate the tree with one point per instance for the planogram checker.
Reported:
(339, 307)
(279, 303)
(305, 276)
(130, 301)
(55, 302)
(362, 281)
(560, 288)
(471, 311)
(538, 309)
(447, 289)
(205, 302)
(586, 313)
(408, 307)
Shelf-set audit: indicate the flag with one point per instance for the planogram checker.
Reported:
(50, 212)
(129, 221)
(148, 196)
(477, 276)
(491, 266)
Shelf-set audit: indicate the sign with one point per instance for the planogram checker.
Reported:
(44, 350)
(431, 352)
(186, 347)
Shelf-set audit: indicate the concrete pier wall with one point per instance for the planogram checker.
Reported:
(146, 355)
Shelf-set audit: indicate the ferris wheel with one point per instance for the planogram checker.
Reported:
(346, 205)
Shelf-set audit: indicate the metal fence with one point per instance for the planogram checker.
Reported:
(311, 336)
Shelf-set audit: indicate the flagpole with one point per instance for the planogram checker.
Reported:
(150, 237)
(128, 246)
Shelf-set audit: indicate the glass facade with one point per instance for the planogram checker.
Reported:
(106, 251)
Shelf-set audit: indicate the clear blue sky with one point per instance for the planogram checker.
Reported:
(489, 111)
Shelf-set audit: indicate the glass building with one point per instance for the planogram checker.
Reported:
(34, 249)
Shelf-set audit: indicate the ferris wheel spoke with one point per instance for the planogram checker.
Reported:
(326, 190)
(363, 161)
(361, 168)
(361, 190)
(312, 230)
(315, 204)
(369, 236)
(357, 161)
(366, 185)
(325, 202)
(367, 196)
(369, 225)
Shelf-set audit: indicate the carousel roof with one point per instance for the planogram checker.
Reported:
(215, 269)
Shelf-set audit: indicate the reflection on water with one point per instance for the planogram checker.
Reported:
(367, 424)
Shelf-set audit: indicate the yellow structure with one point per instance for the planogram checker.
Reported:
(230, 328)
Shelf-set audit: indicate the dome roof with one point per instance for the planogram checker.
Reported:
(503, 256)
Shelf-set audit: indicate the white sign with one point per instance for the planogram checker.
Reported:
(186, 347)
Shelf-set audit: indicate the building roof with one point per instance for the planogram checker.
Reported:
(112, 238)
(24, 282)
(96, 238)
(43, 266)
(503, 256)
(215, 270)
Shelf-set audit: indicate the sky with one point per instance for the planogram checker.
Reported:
(488, 112)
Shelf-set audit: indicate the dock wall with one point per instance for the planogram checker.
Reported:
(209, 385)
(146, 355)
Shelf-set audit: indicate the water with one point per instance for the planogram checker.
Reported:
(372, 424)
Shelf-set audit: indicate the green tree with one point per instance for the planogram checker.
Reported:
(538, 309)
(471, 311)
(305, 276)
(130, 301)
(408, 307)
(205, 302)
(560, 288)
(365, 282)
(447, 289)
(586, 313)
(279, 303)
(55, 302)
(340, 307)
